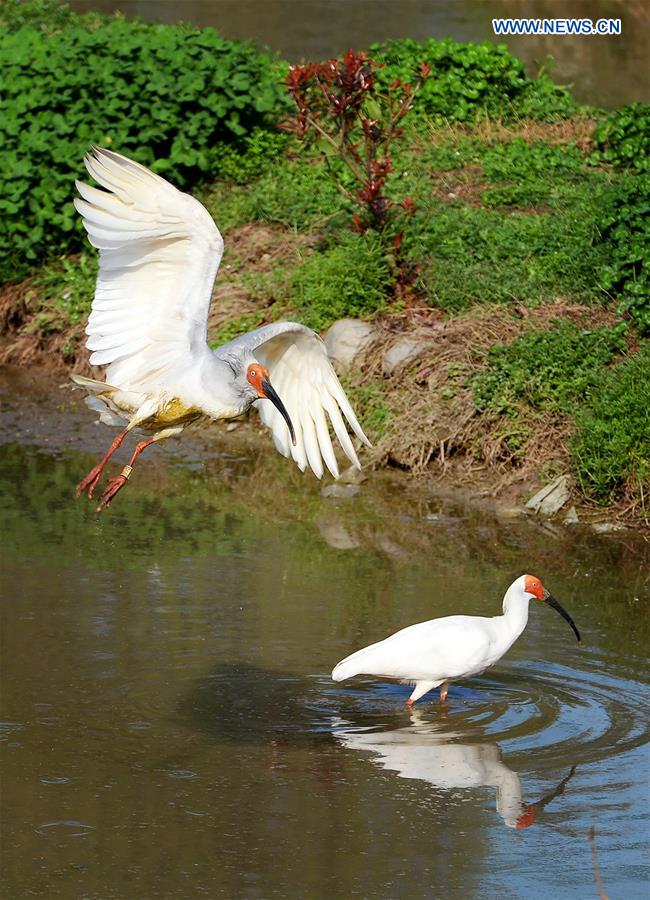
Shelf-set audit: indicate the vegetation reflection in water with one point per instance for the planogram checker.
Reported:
(172, 726)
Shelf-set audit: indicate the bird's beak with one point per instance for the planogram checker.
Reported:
(550, 599)
(269, 394)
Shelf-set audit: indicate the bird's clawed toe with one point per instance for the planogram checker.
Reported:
(89, 483)
(113, 486)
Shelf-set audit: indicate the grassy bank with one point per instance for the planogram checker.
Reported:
(516, 251)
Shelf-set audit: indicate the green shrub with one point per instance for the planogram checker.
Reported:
(625, 236)
(293, 193)
(153, 92)
(546, 370)
(248, 158)
(531, 158)
(623, 138)
(42, 13)
(466, 256)
(611, 447)
(351, 278)
(533, 172)
(468, 79)
(297, 194)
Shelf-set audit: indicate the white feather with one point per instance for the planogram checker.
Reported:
(303, 377)
(159, 255)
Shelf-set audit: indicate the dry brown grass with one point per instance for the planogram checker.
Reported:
(252, 249)
(578, 130)
(435, 425)
(23, 341)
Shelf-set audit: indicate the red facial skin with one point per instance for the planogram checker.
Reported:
(255, 375)
(527, 818)
(534, 587)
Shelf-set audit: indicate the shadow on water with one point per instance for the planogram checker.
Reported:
(246, 704)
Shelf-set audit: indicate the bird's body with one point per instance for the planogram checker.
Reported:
(432, 654)
(159, 256)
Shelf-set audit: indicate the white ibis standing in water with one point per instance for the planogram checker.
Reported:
(159, 252)
(432, 654)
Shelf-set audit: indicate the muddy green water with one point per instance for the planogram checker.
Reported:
(170, 728)
(603, 71)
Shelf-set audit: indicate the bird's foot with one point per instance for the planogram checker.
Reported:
(89, 483)
(113, 486)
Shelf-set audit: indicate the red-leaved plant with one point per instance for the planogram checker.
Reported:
(342, 108)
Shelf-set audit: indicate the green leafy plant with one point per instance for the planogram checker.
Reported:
(533, 172)
(624, 234)
(167, 96)
(471, 79)
(369, 401)
(351, 277)
(466, 256)
(546, 370)
(248, 158)
(46, 14)
(292, 192)
(623, 138)
(611, 447)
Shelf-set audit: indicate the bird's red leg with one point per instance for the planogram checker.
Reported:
(120, 480)
(410, 703)
(90, 481)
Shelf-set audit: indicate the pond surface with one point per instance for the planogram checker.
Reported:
(170, 728)
(604, 71)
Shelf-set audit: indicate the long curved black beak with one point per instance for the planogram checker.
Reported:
(270, 394)
(550, 599)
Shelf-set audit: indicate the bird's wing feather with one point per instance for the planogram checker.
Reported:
(442, 649)
(302, 375)
(159, 252)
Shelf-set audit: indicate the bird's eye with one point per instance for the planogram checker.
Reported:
(253, 373)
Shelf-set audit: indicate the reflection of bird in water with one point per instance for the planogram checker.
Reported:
(432, 654)
(424, 752)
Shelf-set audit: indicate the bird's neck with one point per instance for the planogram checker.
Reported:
(216, 386)
(509, 799)
(515, 615)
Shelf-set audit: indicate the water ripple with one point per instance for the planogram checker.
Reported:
(556, 712)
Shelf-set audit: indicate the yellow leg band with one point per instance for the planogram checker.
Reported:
(126, 471)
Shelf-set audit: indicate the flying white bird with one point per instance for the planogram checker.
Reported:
(433, 654)
(159, 252)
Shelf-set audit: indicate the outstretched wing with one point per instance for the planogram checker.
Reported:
(159, 252)
(302, 375)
